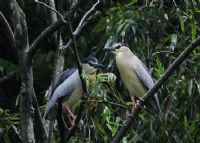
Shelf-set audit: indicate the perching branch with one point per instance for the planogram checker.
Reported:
(121, 133)
(48, 31)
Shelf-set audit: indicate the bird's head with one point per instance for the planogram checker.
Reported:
(118, 48)
(90, 64)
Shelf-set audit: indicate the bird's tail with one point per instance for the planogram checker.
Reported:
(51, 104)
(153, 105)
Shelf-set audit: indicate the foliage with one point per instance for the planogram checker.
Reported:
(157, 33)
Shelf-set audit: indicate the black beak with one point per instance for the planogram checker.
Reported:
(108, 49)
(98, 66)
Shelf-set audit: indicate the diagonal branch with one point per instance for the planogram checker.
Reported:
(87, 15)
(84, 22)
(121, 133)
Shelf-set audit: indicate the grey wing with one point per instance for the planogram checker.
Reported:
(64, 89)
(145, 77)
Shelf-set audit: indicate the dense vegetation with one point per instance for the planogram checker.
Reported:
(156, 31)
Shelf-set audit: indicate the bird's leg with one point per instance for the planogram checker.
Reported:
(73, 117)
(137, 104)
(69, 111)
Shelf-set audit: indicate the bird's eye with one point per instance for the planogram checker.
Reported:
(118, 46)
(90, 63)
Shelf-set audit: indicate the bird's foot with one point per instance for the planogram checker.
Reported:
(74, 124)
(137, 104)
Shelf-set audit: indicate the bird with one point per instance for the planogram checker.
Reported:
(134, 75)
(68, 87)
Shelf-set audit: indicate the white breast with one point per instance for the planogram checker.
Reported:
(129, 77)
(76, 94)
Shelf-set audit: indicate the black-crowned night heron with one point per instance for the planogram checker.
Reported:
(68, 87)
(134, 75)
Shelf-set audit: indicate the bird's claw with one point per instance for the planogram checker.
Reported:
(137, 104)
(79, 124)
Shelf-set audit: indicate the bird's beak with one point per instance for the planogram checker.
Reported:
(98, 66)
(109, 49)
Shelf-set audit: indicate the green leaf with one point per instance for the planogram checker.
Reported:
(194, 30)
(185, 122)
(99, 127)
(182, 23)
(100, 26)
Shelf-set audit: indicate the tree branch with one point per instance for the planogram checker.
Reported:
(84, 22)
(121, 133)
(83, 83)
(53, 9)
(87, 15)
(21, 37)
(7, 30)
(48, 31)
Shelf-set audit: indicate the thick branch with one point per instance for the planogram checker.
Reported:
(121, 133)
(26, 93)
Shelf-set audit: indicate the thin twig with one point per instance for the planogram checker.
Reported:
(84, 21)
(121, 133)
(87, 15)
(110, 102)
(159, 52)
(54, 10)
